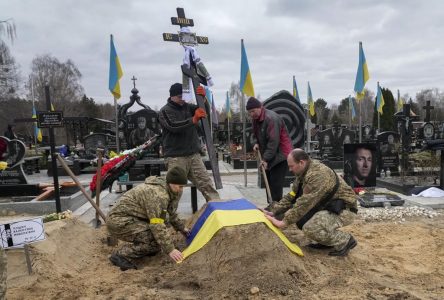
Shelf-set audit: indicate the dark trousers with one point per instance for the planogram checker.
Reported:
(276, 178)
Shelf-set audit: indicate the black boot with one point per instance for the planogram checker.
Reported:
(319, 246)
(121, 262)
(344, 251)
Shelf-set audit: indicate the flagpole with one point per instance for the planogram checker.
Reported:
(33, 100)
(308, 139)
(350, 110)
(117, 126)
(228, 124)
(244, 137)
(360, 120)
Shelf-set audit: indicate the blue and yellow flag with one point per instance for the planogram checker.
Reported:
(362, 75)
(209, 96)
(37, 131)
(310, 102)
(246, 83)
(400, 102)
(115, 71)
(352, 106)
(228, 213)
(295, 90)
(379, 100)
(227, 107)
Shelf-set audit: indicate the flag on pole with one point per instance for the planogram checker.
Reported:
(310, 102)
(210, 98)
(295, 90)
(37, 131)
(115, 71)
(362, 75)
(227, 107)
(379, 100)
(246, 83)
(400, 102)
(352, 107)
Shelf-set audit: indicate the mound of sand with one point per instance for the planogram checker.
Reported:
(391, 261)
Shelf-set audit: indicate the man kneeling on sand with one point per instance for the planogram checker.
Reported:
(320, 202)
(139, 218)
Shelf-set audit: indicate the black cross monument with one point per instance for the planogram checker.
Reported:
(192, 39)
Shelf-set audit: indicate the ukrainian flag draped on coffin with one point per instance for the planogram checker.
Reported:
(229, 213)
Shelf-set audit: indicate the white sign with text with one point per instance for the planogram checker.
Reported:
(21, 233)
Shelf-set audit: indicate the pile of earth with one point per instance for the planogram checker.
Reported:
(391, 261)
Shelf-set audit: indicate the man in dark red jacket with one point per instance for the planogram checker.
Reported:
(273, 142)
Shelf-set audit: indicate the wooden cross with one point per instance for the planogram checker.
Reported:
(428, 108)
(191, 39)
(134, 81)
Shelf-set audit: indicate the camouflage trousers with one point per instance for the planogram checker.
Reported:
(136, 232)
(323, 228)
(197, 174)
(3, 274)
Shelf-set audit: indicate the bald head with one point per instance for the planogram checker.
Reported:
(298, 161)
(299, 154)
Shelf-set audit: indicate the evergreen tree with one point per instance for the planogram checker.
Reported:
(386, 119)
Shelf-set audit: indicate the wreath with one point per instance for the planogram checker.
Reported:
(118, 165)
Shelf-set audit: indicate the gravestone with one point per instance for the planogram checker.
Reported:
(13, 180)
(347, 137)
(326, 144)
(404, 120)
(368, 133)
(135, 128)
(97, 140)
(360, 164)
(388, 145)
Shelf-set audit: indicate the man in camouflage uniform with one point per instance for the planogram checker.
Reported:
(139, 218)
(320, 202)
(181, 145)
(3, 274)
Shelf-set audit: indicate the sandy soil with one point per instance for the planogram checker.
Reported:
(392, 261)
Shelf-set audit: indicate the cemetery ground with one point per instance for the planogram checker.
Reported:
(400, 255)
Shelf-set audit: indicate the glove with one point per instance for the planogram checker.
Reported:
(201, 91)
(199, 114)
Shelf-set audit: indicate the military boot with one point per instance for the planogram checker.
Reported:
(121, 262)
(344, 251)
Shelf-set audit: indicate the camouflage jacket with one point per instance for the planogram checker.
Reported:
(317, 182)
(151, 201)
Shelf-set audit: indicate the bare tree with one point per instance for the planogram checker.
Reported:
(62, 78)
(8, 27)
(9, 73)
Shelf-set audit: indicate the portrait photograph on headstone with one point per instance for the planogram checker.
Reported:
(360, 164)
(388, 146)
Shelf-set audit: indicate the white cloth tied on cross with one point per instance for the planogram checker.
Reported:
(187, 84)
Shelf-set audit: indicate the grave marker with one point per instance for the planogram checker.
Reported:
(191, 39)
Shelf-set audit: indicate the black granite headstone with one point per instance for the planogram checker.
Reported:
(97, 140)
(388, 146)
(12, 152)
(367, 133)
(140, 127)
(360, 164)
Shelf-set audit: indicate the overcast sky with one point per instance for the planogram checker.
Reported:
(316, 41)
